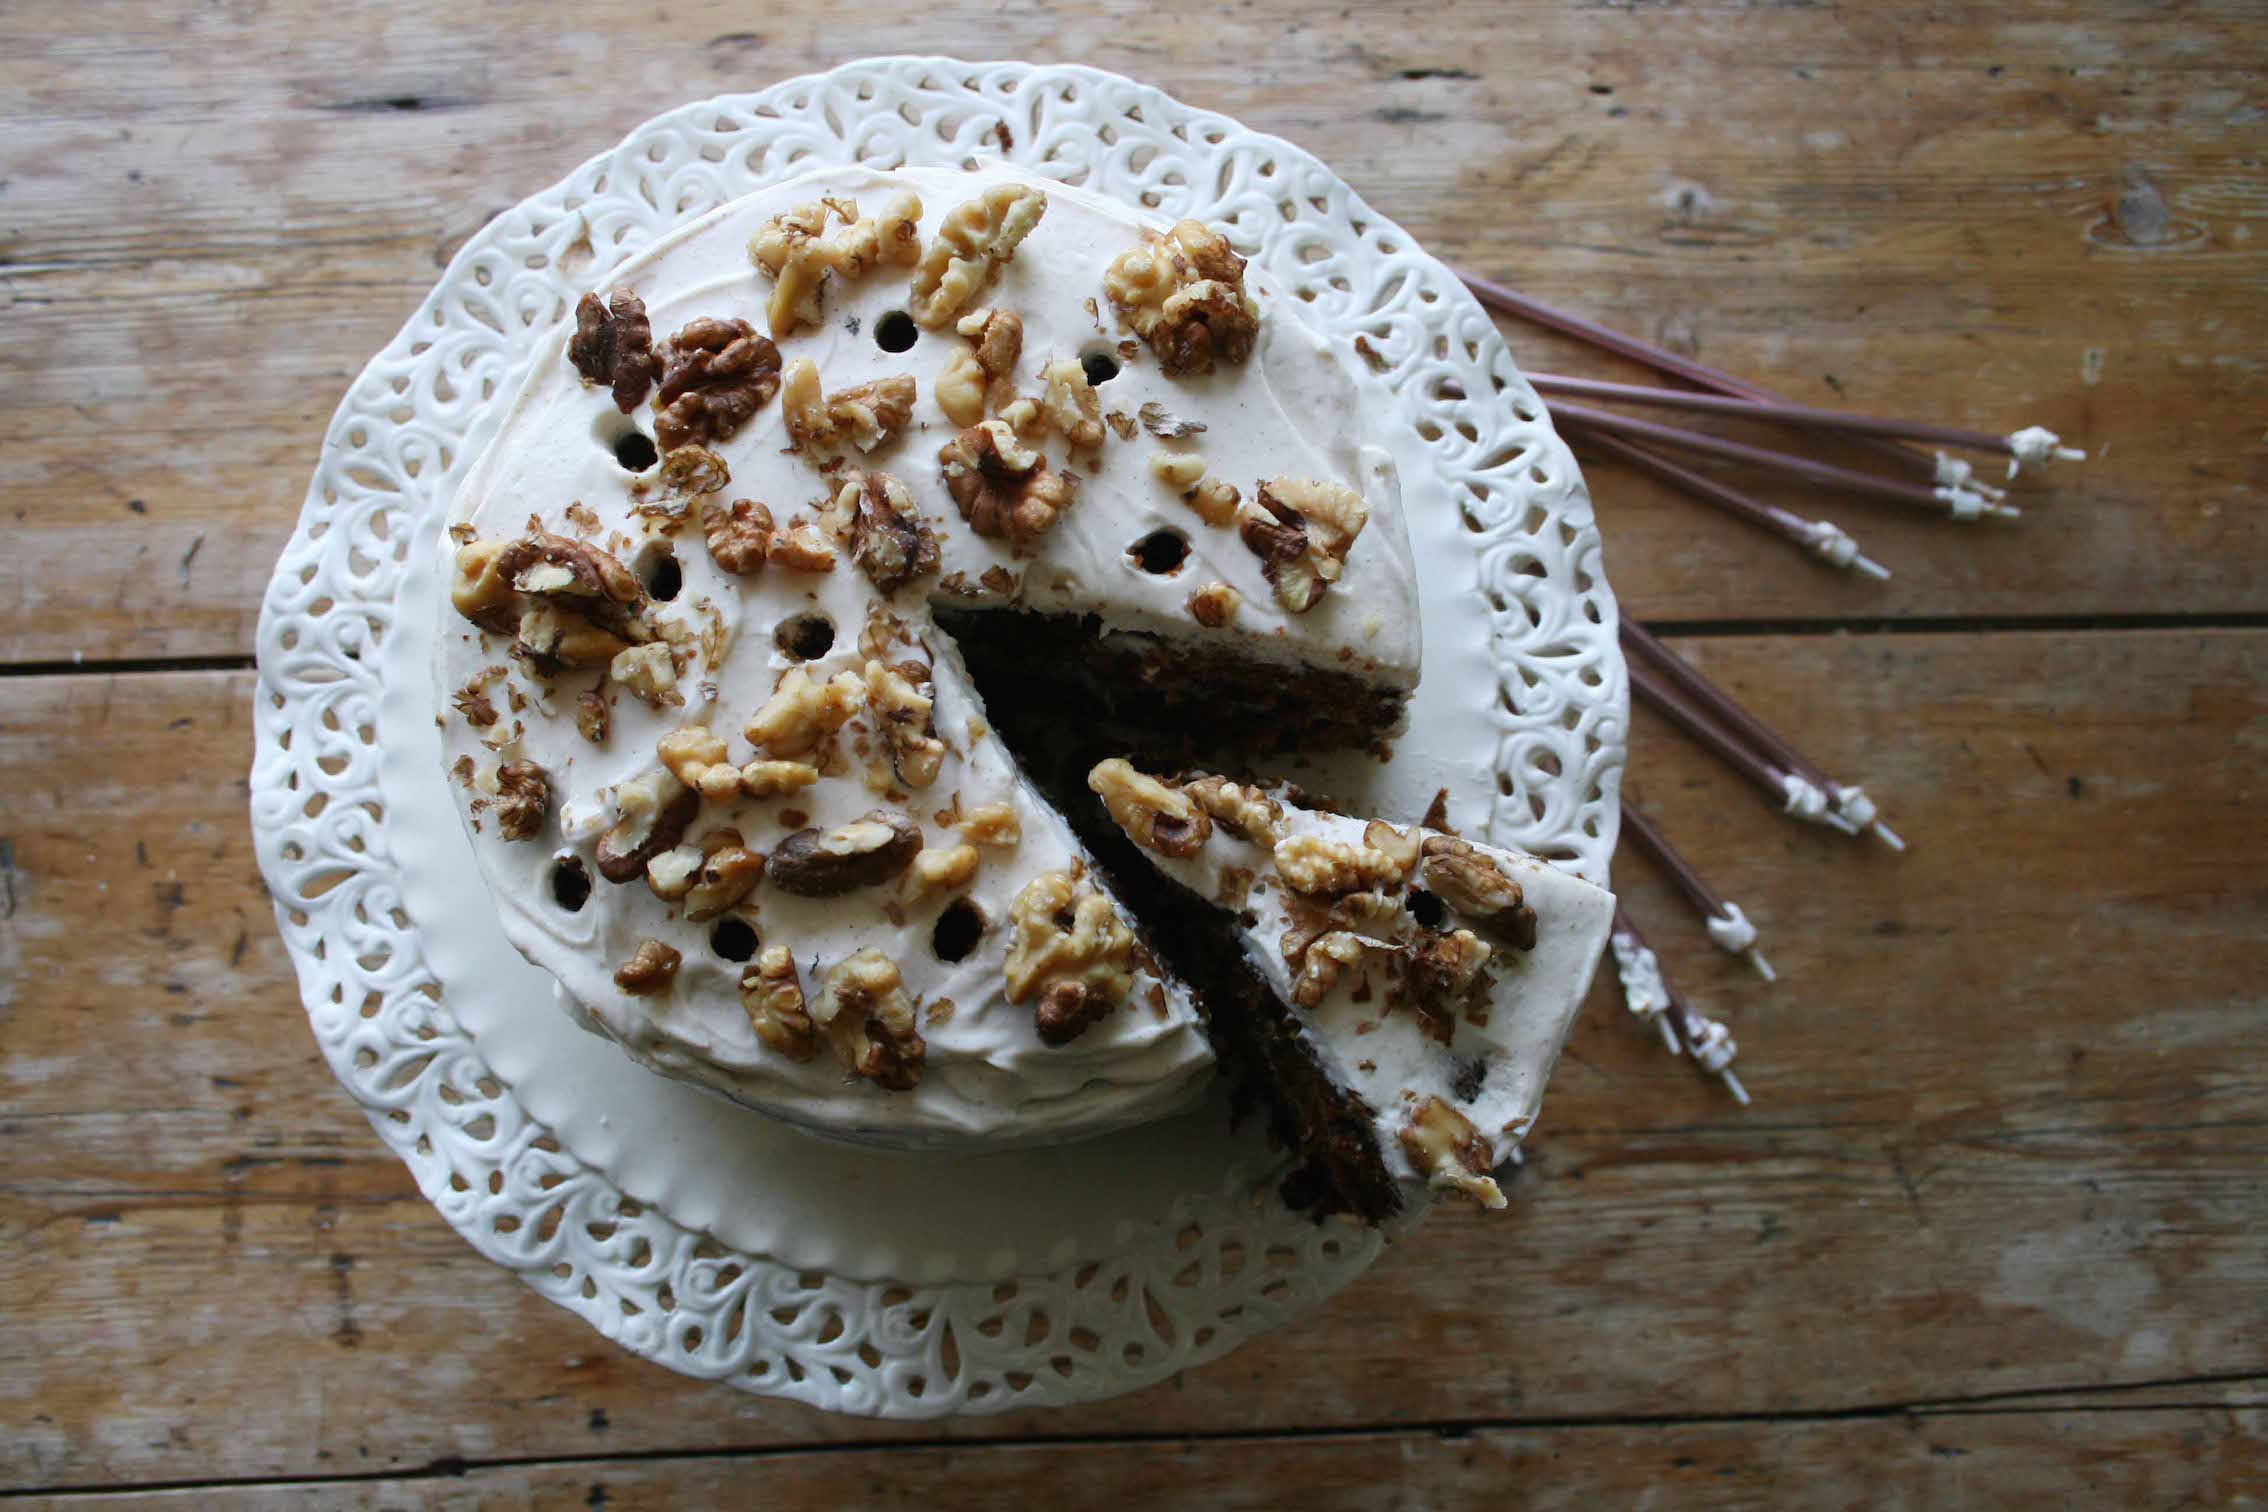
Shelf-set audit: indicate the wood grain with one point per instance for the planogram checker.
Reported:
(2007, 1134)
(1983, 214)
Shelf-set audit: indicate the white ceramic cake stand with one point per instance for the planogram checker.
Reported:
(701, 1235)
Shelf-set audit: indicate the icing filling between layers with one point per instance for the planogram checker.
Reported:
(988, 1078)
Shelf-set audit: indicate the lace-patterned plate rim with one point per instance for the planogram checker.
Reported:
(411, 421)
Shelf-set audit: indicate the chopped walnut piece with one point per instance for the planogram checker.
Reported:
(472, 699)
(889, 541)
(812, 863)
(1321, 868)
(870, 1021)
(1002, 487)
(992, 824)
(1244, 812)
(1323, 962)
(774, 779)
(686, 474)
(1301, 529)
(1214, 500)
(728, 872)
(1472, 883)
(800, 548)
(1165, 426)
(523, 798)
(564, 602)
(1449, 1152)
(1444, 973)
(798, 254)
(670, 874)
(1179, 471)
(976, 239)
(1183, 293)
(1214, 605)
(1025, 418)
(941, 870)
(804, 711)
(1121, 422)
(772, 995)
(1071, 403)
(739, 534)
(649, 971)
(1400, 845)
(652, 814)
(899, 696)
(1155, 815)
(865, 415)
(979, 374)
(1070, 948)
(697, 758)
(613, 346)
(649, 671)
(715, 374)
(594, 716)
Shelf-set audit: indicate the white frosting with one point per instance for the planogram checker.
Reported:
(1731, 930)
(1383, 1054)
(2036, 444)
(988, 1078)
(1805, 800)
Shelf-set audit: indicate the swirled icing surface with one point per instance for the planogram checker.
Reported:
(987, 1079)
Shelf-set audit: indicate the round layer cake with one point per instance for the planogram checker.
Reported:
(728, 777)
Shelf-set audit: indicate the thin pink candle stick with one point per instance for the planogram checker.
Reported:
(1727, 926)
(1802, 416)
(1955, 503)
(1821, 538)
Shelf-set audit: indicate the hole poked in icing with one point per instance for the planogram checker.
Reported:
(570, 883)
(806, 637)
(1160, 553)
(895, 331)
(1100, 364)
(733, 939)
(1428, 910)
(659, 571)
(957, 930)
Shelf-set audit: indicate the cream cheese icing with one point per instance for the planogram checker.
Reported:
(986, 1077)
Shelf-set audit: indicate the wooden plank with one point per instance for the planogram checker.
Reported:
(2025, 213)
(2112, 1457)
(2007, 1134)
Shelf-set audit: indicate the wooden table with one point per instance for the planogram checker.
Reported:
(1995, 1227)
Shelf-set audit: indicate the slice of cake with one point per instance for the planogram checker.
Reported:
(726, 772)
(1398, 995)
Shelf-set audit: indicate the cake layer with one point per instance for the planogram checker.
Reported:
(731, 784)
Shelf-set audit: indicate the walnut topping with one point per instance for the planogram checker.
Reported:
(728, 872)
(649, 971)
(652, 812)
(1214, 501)
(870, 1021)
(865, 415)
(715, 374)
(1179, 471)
(1449, 1152)
(992, 824)
(1183, 293)
(979, 374)
(565, 603)
(773, 998)
(1070, 948)
(973, 242)
(697, 758)
(1400, 845)
(1165, 426)
(803, 711)
(670, 874)
(773, 779)
(1071, 403)
(1155, 815)
(1002, 487)
(941, 870)
(649, 671)
(796, 251)
(1323, 962)
(1121, 422)
(1445, 972)
(889, 541)
(1301, 529)
(594, 716)
(1214, 605)
(800, 548)
(613, 345)
(1246, 813)
(739, 534)
(1476, 886)
(472, 699)
(523, 798)
(685, 474)
(899, 695)
(823, 864)
(1321, 868)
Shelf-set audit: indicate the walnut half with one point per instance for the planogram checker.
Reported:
(1072, 950)
(974, 242)
(1155, 815)
(1183, 293)
(1449, 1152)
(865, 415)
(889, 540)
(867, 1016)
(613, 345)
(1002, 487)
(1301, 529)
(715, 375)
(772, 996)
(1468, 880)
